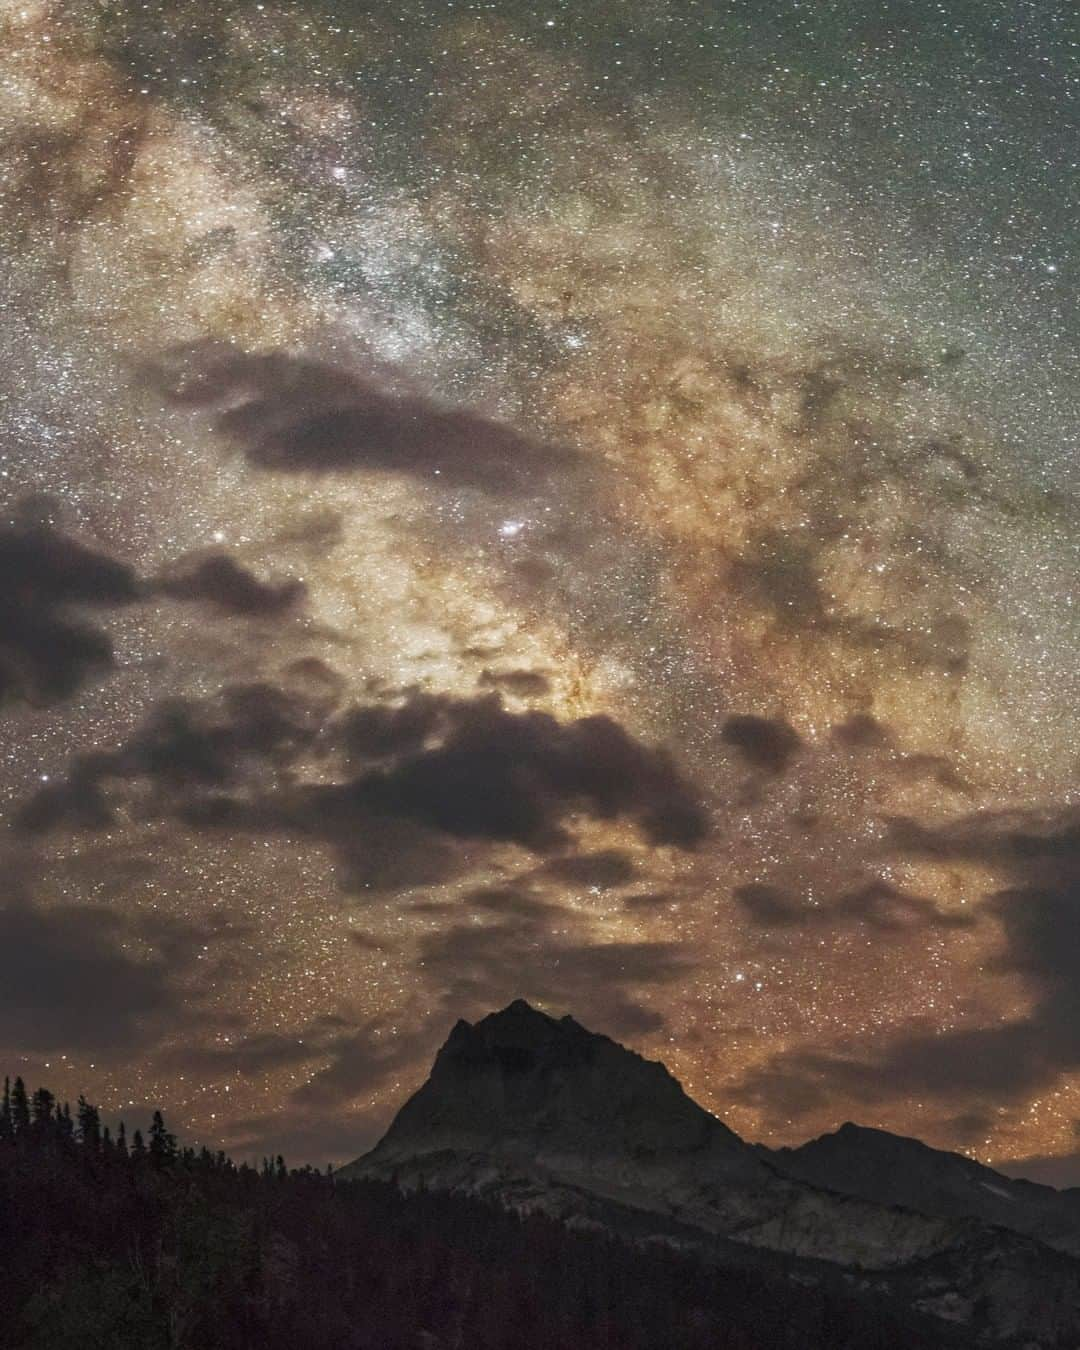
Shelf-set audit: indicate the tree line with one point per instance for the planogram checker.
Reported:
(143, 1244)
(40, 1119)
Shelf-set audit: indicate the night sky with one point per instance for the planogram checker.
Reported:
(574, 501)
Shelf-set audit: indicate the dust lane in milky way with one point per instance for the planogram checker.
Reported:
(565, 505)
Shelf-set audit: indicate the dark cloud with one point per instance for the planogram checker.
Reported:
(519, 777)
(985, 1065)
(48, 649)
(884, 906)
(319, 528)
(247, 1056)
(365, 942)
(1060, 1171)
(314, 683)
(482, 967)
(360, 1062)
(767, 743)
(184, 748)
(515, 943)
(379, 731)
(937, 768)
(863, 735)
(415, 781)
(291, 414)
(772, 907)
(380, 854)
(603, 869)
(506, 900)
(79, 802)
(782, 571)
(471, 769)
(862, 731)
(1034, 845)
(982, 1064)
(965, 1126)
(48, 582)
(649, 900)
(218, 579)
(521, 683)
(73, 979)
(339, 1061)
(877, 904)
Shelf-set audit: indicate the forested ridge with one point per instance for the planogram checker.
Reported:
(113, 1243)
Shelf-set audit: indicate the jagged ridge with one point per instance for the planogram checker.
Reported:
(541, 1114)
(521, 1075)
(891, 1169)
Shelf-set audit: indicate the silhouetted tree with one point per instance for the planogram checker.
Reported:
(201, 1252)
(20, 1107)
(6, 1127)
(41, 1111)
(89, 1124)
(162, 1143)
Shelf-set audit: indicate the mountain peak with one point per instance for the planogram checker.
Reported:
(522, 1080)
(519, 1015)
(542, 1115)
(519, 1008)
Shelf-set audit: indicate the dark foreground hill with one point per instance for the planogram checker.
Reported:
(165, 1249)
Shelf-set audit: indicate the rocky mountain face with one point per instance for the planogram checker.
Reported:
(542, 1115)
(892, 1170)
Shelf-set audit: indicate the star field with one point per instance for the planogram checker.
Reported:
(575, 503)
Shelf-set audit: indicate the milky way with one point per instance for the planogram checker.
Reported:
(575, 503)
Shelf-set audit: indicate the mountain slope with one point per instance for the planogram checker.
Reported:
(542, 1112)
(106, 1248)
(889, 1169)
(521, 1077)
(542, 1115)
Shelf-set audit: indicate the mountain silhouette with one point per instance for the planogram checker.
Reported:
(544, 1116)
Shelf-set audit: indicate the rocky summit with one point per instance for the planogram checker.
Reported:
(520, 1077)
(542, 1115)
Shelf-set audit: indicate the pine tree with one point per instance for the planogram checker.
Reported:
(280, 1168)
(20, 1107)
(162, 1143)
(41, 1111)
(6, 1128)
(65, 1125)
(138, 1148)
(89, 1124)
(121, 1140)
